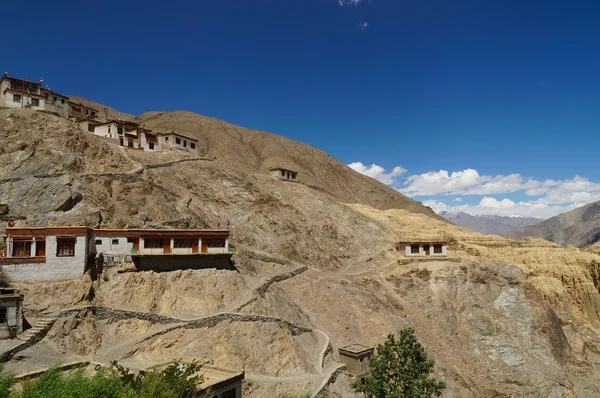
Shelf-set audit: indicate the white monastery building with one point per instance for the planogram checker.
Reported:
(424, 249)
(58, 253)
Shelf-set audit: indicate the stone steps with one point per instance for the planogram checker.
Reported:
(39, 326)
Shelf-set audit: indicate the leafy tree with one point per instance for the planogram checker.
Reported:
(175, 381)
(400, 369)
(58, 384)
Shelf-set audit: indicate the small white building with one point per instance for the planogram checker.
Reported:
(149, 140)
(424, 248)
(56, 103)
(47, 253)
(20, 93)
(11, 313)
(284, 174)
(174, 140)
(58, 253)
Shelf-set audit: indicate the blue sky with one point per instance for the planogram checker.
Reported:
(502, 95)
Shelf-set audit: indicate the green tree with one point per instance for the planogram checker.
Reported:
(400, 369)
(175, 381)
(58, 384)
(6, 382)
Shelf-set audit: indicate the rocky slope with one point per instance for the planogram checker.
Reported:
(490, 224)
(579, 227)
(500, 317)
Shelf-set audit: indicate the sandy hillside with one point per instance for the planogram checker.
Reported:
(316, 270)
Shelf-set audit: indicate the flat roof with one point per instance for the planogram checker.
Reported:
(420, 242)
(19, 79)
(214, 377)
(133, 232)
(12, 90)
(281, 168)
(45, 90)
(356, 348)
(178, 134)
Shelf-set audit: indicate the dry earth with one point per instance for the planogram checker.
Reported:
(500, 317)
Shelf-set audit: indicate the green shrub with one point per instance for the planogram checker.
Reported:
(400, 369)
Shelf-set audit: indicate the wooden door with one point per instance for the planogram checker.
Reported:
(426, 249)
(194, 245)
(167, 246)
(204, 246)
(136, 244)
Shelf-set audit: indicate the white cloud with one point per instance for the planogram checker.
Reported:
(470, 182)
(379, 173)
(504, 207)
(363, 25)
(348, 2)
(547, 198)
(466, 182)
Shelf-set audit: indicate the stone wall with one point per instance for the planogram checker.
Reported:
(171, 262)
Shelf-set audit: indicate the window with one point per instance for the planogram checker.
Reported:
(62, 101)
(65, 248)
(437, 249)
(98, 242)
(192, 145)
(115, 241)
(108, 129)
(91, 128)
(177, 140)
(183, 243)
(3, 315)
(414, 249)
(21, 249)
(16, 97)
(166, 138)
(151, 145)
(35, 102)
(153, 243)
(215, 242)
(119, 130)
(55, 99)
(184, 143)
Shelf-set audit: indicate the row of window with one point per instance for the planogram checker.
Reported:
(18, 97)
(178, 142)
(437, 249)
(64, 248)
(113, 242)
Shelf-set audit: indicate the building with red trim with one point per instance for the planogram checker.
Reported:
(56, 253)
(424, 248)
(21, 93)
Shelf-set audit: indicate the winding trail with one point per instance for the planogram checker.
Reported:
(320, 380)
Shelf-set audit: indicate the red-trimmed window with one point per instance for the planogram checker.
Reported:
(183, 243)
(65, 247)
(215, 242)
(153, 243)
(21, 249)
(414, 249)
(437, 249)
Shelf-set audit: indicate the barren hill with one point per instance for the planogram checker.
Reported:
(579, 227)
(319, 268)
(256, 151)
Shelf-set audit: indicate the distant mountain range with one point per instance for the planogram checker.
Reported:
(490, 225)
(579, 227)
